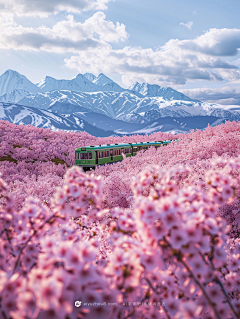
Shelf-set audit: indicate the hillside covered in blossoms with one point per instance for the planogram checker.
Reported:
(155, 236)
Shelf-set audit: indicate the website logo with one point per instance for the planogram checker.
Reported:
(78, 303)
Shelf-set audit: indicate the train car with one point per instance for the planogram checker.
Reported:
(136, 147)
(91, 156)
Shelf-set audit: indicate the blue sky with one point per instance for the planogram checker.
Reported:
(190, 45)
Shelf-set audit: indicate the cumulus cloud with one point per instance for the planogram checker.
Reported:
(215, 42)
(45, 8)
(187, 25)
(174, 63)
(66, 35)
(225, 95)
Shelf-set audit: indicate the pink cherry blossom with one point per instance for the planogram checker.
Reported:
(165, 233)
(178, 238)
(48, 294)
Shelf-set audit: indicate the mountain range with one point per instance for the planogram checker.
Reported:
(101, 107)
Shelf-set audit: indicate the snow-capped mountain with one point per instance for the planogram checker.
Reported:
(153, 90)
(79, 83)
(18, 85)
(14, 96)
(19, 114)
(12, 80)
(102, 79)
(106, 84)
(104, 105)
(98, 124)
(119, 104)
(111, 104)
(91, 77)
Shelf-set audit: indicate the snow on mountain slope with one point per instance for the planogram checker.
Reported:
(104, 100)
(166, 124)
(111, 87)
(79, 83)
(19, 114)
(98, 124)
(133, 118)
(118, 104)
(12, 80)
(14, 96)
(102, 79)
(90, 76)
(108, 103)
(155, 90)
(106, 84)
(173, 125)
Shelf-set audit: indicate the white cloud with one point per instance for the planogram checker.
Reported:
(215, 42)
(187, 25)
(174, 63)
(67, 35)
(225, 95)
(45, 8)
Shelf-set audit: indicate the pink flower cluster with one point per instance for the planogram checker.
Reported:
(166, 256)
(34, 160)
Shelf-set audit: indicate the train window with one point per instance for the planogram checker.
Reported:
(135, 149)
(107, 153)
(82, 156)
(86, 156)
(122, 150)
(99, 155)
(90, 155)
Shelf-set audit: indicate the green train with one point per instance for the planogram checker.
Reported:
(91, 156)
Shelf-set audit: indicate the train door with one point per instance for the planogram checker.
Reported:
(111, 154)
(96, 157)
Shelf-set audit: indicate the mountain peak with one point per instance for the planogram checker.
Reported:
(154, 90)
(102, 79)
(91, 77)
(9, 71)
(79, 76)
(11, 80)
(80, 83)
